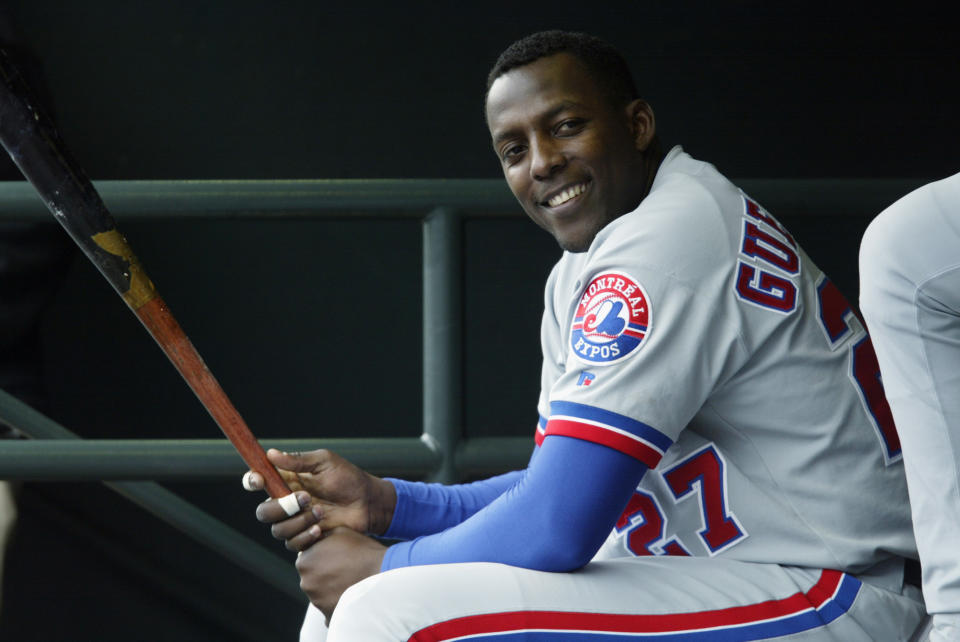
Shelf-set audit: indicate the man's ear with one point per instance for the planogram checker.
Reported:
(642, 123)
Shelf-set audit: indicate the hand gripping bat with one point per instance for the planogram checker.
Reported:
(34, 144)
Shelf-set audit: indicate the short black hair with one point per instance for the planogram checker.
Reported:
(609, 67)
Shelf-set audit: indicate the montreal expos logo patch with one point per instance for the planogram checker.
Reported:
(612, 320)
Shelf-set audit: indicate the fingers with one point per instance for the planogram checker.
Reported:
(271, 511)
(303, 541)
(289, 528)
(252, 480)
(307, 462)
(288, 465)
(298, 532)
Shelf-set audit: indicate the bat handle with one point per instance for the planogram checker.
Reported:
(156, 317)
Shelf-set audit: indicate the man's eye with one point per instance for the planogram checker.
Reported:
(512, 152)
(570, 126)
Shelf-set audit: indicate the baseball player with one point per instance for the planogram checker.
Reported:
(910, 297)
(714, 458)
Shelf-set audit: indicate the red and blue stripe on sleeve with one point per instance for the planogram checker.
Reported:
(629, 436)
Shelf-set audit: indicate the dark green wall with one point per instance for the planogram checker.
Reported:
(283, 311)
(255, 89)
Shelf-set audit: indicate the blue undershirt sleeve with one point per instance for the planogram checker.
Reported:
(554, 515)
(423, 509)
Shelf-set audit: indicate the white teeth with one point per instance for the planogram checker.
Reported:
(567, 194)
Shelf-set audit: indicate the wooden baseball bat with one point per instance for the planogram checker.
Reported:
(36, 147)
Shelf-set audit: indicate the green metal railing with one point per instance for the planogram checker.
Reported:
(132, 467)
(441, 453)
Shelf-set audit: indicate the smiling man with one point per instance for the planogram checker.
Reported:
(714, 458)
(575, 157)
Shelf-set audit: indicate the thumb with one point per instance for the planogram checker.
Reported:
(296, 462)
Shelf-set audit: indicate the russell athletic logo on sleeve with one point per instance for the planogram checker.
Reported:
(612, 320)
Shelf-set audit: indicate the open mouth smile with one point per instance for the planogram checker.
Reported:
(567, 194)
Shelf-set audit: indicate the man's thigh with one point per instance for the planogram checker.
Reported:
(658, 598)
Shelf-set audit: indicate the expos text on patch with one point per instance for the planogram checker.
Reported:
(612, 320)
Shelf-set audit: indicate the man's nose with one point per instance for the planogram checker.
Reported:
(546, 159)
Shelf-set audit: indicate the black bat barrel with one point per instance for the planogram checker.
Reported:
(35, 146)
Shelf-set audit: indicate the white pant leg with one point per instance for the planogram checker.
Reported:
(910, 297)
(629, 599)
(314, 628)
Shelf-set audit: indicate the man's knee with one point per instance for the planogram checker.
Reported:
(372, 609)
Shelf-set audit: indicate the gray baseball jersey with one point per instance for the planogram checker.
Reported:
(910, 295)
(737, 372)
